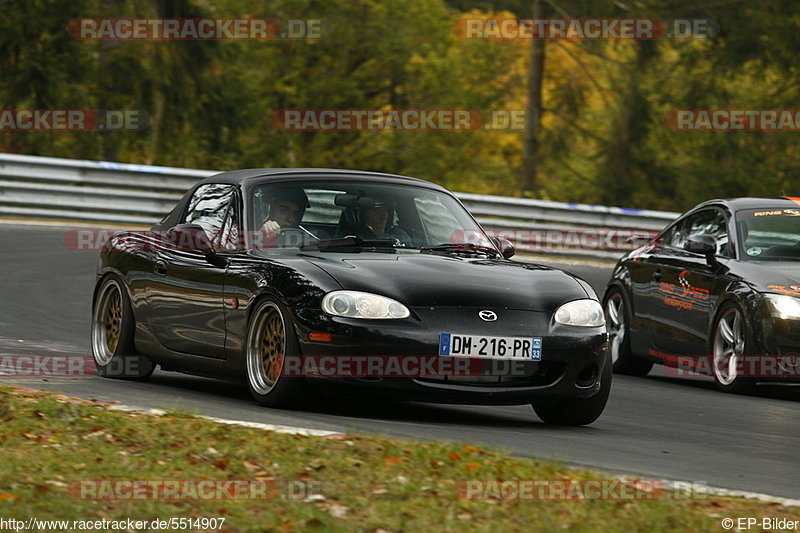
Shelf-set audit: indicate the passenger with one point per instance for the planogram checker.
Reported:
(376, 221)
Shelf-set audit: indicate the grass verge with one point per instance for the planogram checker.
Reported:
(50, 444)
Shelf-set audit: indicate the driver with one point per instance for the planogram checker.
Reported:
(286, 210)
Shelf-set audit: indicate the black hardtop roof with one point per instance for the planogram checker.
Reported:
(752, 202)
(305, 174)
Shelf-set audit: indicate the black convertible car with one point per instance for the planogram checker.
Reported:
(256, 272)
(718, 292)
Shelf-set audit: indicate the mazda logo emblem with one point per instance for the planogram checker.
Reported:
(488, 316)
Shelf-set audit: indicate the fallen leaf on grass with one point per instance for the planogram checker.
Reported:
(251, 467)
(337, 510)
(222, 464)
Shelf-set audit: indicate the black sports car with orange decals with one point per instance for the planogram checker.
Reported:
(717, 292)
(257, 274)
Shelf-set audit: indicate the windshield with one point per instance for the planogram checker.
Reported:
(769, 234)
(293, 215)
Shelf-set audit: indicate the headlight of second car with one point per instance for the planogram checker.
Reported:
(356, 304)
(588, 313)
(783, 306)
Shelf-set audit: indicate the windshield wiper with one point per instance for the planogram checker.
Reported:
(461, 248)
(351, 241)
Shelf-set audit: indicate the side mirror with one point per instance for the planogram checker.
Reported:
(505, 246)
(703, 244)
(190, 237)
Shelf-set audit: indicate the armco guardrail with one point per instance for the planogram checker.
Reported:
(103, 191)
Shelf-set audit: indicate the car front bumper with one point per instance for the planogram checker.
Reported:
(781, 359)
(573, 358)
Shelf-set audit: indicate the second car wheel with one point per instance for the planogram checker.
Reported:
(270, 338)
(113, 327)
(617, 320)
(729, 347)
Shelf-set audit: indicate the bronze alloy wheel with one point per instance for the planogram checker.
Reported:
(266, 349)
(107, 323)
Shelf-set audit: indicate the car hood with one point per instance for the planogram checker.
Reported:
(429, 280)
(772, 276)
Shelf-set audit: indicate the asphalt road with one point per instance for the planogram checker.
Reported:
(656, 426)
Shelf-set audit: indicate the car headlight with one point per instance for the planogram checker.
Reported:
(355, 304)
(588, 313)
(783, 306)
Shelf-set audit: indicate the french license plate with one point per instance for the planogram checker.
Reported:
(458, 345)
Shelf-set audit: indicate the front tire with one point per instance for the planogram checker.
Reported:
(113, 327)
(270, 338)
(577, 411)
(618, 319)
(729, 346)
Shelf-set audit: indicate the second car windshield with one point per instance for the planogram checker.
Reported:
(297, 214)
(769, 234)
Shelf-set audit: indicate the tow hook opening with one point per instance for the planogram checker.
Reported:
(587, 377)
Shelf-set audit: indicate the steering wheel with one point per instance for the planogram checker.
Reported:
(300, 232)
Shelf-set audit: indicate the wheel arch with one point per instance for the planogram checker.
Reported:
(109, 272)
(269, 293)
(746, 299)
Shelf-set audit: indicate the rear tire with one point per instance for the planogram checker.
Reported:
(729, 344)
(577, 411)
(618, 317)
(113, 327)
(270, 338)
